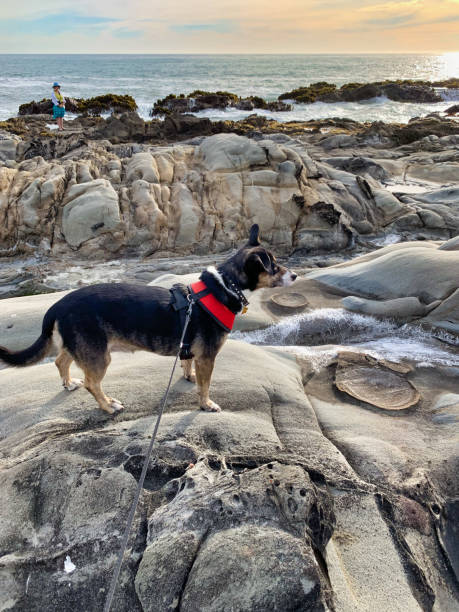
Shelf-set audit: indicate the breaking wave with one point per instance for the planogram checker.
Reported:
(321, 334)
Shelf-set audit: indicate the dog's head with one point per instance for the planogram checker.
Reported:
(255, 267)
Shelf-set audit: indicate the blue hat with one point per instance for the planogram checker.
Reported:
(56, 84)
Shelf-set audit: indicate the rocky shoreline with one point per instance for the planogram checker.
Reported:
(329, 481)
(198, 100)
(313, 188)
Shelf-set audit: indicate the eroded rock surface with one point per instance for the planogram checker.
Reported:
(267, 505)
(313, 193)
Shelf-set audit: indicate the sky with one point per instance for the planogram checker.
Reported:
(229, 26)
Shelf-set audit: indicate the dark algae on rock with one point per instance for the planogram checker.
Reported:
(399, 90)
(200, 100)
(83, 106)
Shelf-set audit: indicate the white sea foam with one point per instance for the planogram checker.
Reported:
(381, 109)
(449, 95)
(321, 334)
(74, 276)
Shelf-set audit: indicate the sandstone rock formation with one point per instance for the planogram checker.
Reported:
(282, 501)
(407, 280)
(201, 196)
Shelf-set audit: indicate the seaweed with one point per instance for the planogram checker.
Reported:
(106, 102)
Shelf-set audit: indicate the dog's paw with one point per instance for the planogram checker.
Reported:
(72, 384)
(211, 407)
(191, 377)
(116, 405)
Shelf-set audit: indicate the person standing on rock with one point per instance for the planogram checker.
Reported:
(58, 106)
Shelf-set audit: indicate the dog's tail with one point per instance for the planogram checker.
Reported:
(37, 351)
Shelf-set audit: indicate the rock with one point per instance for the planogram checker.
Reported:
(203, 194)
(94, 106)
(89, 469)
(401, 91)
(397, 271)
(374, 384)
(262, 487)
(230, 152)
(410, 93)
(90, 209)
(450, 245)
(289, 302)
(198, 101)
(8, 148)
(361, 92)
(214, 507)
(446, 314)
(186, 125)
(125, 128)
(400, 308)
(452, 110)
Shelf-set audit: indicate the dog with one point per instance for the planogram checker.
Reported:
(87, 324)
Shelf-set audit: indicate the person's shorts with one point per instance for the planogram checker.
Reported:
(58, 111)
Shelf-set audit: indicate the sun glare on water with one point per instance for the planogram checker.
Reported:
(451, 64)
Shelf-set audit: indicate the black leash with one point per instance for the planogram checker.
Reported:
(111, 592)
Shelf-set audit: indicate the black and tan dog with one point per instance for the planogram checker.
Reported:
(89, 323)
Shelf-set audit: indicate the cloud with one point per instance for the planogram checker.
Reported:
(126, 33)
(390, 22)
(224, 26)
(53, 25)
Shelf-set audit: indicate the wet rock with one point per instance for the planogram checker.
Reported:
(94, 106)
(198, 101)
(452, 110)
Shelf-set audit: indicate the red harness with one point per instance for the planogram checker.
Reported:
(207, 300)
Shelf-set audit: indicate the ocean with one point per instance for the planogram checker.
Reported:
(150, 77)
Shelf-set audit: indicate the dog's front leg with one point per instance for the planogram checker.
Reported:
(188, 371)
(204, 368)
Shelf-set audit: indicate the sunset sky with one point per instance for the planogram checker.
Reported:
(229, 26)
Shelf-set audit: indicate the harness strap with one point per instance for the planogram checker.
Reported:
(207, 300)
(180, 304)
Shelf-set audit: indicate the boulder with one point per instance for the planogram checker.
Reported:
(426, 273)
(452, 110)
(230, 152)
(186, 125)
(90, 209)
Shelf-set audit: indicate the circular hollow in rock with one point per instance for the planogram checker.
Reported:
(289, 300)
(377, 386)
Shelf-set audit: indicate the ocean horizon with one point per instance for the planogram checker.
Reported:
(149, 77)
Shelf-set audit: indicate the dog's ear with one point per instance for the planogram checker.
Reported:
(257, 262)
(254, 234)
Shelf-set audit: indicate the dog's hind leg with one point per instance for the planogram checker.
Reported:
(63, 361)
(188, 371)
(204, 368)
(94, 371)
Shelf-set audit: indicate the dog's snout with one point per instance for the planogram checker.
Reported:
(293, 276)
